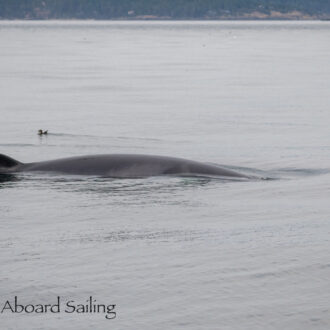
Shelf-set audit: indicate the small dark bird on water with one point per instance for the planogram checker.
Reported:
(41, 132)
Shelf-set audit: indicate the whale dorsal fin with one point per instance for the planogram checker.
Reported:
(7, 162)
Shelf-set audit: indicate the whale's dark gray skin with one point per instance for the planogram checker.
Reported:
(119, 166)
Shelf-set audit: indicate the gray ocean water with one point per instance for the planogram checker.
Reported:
(171, 253)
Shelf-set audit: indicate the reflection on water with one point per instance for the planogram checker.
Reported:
(5, 178)
(118, 186)
(122, 236)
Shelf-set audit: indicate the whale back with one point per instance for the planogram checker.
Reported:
(7, 164)
(118, 166)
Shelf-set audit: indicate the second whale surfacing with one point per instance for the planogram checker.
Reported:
(119, 166)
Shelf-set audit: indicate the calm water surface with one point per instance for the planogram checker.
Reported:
(171, 253)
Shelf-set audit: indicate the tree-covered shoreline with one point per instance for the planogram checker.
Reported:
(164, 9)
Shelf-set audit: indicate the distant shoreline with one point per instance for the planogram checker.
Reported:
(247, 16)
(161, 19)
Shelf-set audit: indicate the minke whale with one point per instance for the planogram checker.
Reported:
(119, 166)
